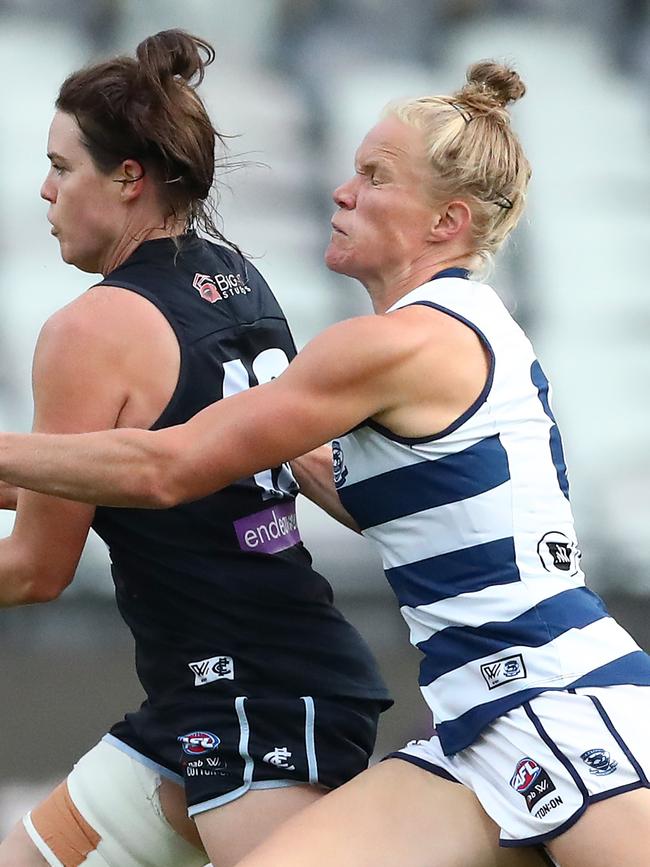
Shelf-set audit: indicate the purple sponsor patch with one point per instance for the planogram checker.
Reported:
(270, 531)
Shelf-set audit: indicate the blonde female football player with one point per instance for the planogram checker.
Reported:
(448, 457)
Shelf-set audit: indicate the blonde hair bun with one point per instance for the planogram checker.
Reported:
(491, 84)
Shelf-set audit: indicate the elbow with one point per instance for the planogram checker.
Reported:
(38, 594)
(147, 476)
(169, 471)
(37, 591)
(161, 494)
(165, 485)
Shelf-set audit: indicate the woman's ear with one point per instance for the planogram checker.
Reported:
(131, 175)
(451, 221)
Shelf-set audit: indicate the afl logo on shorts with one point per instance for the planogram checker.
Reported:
(532, 781)
(197, 743)
(525, 774)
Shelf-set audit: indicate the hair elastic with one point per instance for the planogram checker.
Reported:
(503, 202)
(466, 116)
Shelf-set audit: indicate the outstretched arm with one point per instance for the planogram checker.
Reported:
(339, 379)
(414, 368)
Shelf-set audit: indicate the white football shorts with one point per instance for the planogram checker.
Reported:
(537, 768)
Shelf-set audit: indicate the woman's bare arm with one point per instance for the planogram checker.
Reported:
(313, 473)
(389, 367)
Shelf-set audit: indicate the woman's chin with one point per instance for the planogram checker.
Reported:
(335, 260)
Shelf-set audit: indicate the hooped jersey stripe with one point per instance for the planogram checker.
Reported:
(454, 646)
(447, 576)
(428, 484)
(444, 529)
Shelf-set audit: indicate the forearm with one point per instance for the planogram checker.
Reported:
(313, 473)
(112, 468)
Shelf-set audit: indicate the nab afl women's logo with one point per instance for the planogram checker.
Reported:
(338, 464)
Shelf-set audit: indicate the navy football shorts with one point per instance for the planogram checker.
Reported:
(221, 751)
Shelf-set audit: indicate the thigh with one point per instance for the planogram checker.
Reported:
(393, 814)
(279, 756)
(18, 850)
(108, 813)
(611, 832)
(231, 831)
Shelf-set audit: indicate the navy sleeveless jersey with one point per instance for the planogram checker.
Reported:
(220, 593)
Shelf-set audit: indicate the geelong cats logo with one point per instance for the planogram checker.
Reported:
(338, 464)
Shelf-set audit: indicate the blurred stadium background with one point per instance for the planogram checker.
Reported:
(298, 82)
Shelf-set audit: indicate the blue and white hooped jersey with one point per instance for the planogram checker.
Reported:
(477, 539)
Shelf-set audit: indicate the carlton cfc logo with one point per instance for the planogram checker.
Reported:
(197, 743)
(525, 774)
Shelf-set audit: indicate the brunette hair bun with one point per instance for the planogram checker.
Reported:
(174, 54)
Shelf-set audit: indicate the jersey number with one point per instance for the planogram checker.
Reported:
(266, 366)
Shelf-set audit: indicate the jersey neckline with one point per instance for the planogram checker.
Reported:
(463, 273)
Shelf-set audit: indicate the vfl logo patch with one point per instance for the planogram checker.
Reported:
(338, 464)
(531, 781)
(599, 762)
(558, 553)
(197, 743)
(215, 668)
(503, 670)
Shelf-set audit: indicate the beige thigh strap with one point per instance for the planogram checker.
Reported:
(108, 814)
(63, 829)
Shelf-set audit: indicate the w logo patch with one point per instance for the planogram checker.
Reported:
(215, 668)
(502, 671)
